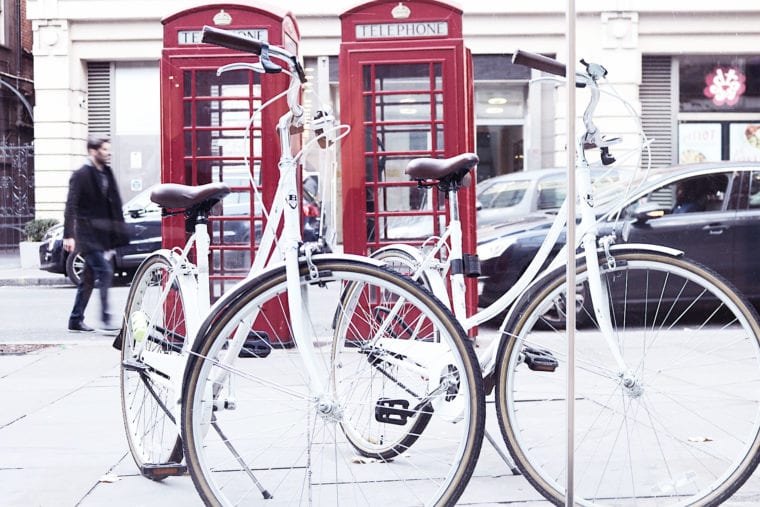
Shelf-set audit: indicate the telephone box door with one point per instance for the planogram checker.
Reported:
(403, 116)
(406, 91)
(212, 130)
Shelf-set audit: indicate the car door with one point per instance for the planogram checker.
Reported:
(747, 237)
(706, 234)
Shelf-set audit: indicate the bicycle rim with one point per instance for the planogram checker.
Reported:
(680, 427)
(151, 433)
(401, 262)
(254, 427)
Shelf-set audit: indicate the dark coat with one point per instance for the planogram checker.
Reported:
(95, 220)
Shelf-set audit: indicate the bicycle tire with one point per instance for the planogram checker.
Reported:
(681, 427)
(151, 432)
(294, 444)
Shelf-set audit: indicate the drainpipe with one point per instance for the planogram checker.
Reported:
(19, 40)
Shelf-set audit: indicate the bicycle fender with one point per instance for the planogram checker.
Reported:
(351, 257)
(646, 247)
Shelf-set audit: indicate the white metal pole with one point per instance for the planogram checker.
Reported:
(570, 240)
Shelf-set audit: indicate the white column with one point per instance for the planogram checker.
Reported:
(60, 115)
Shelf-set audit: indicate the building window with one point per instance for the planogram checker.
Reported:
(719, 84)
(719, 102)
(99, 83)
(3, 25)
(501, 92)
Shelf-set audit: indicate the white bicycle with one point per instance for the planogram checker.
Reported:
(352, 362)
(667, 359)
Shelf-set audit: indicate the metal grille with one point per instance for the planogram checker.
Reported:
(16, 192)
(99, 80)
(657, 107)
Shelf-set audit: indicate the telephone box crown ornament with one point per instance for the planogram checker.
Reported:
(222, 18)
(401, 11)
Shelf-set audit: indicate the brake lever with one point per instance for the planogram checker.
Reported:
(255, 67)
(263, 66)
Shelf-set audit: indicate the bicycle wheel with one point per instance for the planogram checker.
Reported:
(678, 426)
(387, 355)
(402, 262)
(145, 397)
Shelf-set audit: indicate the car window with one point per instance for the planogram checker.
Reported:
(551, 192)
(690, 195)
(701, 193)
(754, 190)
(503, 194)
(142, 202)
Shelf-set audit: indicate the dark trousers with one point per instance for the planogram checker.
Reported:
(98, 272)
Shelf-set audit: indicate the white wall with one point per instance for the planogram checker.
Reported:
(68, 33)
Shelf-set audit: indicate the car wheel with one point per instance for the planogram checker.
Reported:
(74, 267)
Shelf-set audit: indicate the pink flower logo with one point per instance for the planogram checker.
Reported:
(725, 86)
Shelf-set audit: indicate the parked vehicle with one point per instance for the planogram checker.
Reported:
(722, 232)
(517, 194)
(143, 219)
(501, 199)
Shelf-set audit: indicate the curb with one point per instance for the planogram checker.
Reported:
(31, 281)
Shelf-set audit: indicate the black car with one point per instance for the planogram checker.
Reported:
(720, 226)
(143, 219)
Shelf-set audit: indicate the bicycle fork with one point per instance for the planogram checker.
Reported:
(600, 297)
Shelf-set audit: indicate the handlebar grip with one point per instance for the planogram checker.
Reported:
(230, 40)
(539, 62)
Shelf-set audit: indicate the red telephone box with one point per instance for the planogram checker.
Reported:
(406, 89)
(204, 118)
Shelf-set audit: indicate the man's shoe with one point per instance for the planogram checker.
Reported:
(80, 327)
(109, 328)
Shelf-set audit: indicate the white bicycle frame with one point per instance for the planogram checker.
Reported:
(586, 239)
(168, 369)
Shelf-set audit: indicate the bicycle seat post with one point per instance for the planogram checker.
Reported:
(202, 249)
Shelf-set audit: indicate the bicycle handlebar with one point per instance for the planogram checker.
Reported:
(231, 40)
(592, 138)
(539, 62)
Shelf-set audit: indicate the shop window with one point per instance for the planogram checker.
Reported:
(720, 140)
(719, 84)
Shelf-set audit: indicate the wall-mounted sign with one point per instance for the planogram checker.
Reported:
(699, 142)
(403, 30)
(194, 36)
(725, 86)
(744, 142)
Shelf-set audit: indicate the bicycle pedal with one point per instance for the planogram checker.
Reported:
(117, 341)
(540, 360)
(393, 411)
(257, 344)
(134, 365)
(160, 471)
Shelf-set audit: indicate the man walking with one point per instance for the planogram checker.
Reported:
(94, 225)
